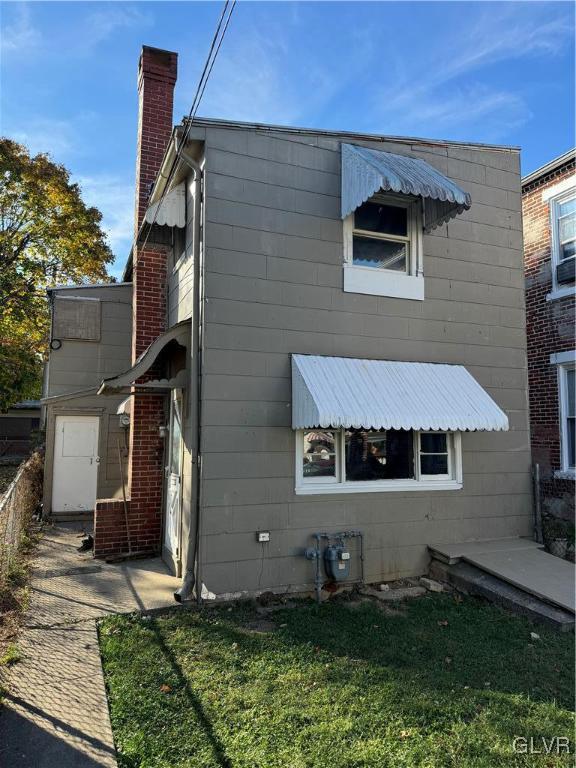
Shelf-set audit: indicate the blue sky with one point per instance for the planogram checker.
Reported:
(480, 71)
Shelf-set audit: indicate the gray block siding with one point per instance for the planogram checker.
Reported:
(274, 255)
(80, 364)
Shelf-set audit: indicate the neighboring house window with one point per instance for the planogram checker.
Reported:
(383, 248)
(562, 202)
(359, 460)
(567, 385)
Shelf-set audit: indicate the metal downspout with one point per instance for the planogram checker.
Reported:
(190, 578)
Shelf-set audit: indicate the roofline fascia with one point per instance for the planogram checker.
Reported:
(53, 288)
(237, 124)
(549, 167)
(69, 395)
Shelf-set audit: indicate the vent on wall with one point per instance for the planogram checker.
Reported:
(76, 318)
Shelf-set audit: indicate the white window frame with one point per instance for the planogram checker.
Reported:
(565, 362)
(339, 484)
(555, 196)
(387, 282)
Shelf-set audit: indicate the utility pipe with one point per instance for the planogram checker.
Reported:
(191, 576)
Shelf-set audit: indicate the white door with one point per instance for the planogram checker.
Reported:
(76, 460)
(174, 482)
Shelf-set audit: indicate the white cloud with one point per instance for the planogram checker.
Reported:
(103, 24)
(20, 36)
(58, 138)
(449, 94)
(113, 195)
(460, 111)
(259, 78)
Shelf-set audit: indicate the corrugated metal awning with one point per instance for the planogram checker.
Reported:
(368, 171)
(384, 394)
(171, 211)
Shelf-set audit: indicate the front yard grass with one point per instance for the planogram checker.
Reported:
(440, 682)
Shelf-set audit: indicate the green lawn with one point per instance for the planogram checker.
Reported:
(438, 682)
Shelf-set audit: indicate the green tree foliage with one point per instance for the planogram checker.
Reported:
(48, 236)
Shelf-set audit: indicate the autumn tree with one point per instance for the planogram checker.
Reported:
(48, 236)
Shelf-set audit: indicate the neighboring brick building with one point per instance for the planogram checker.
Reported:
(549, 211)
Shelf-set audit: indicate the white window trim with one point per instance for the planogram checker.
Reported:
(383, 282)
(563, 195)
(564, 365)
(338, 484)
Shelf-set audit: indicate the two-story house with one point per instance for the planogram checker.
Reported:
(329, 336)
(86, 442)
(549, 213)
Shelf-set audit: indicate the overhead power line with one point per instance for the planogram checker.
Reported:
(222, 26)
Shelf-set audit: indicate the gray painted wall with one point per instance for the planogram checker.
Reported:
(81, 364)
(273, 285)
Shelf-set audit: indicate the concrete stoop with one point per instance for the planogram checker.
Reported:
(474, 581)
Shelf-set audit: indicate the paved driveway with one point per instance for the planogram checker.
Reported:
(55, 713)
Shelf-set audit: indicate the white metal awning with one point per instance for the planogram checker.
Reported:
(383, 394)
(368, 171)
(171, 211)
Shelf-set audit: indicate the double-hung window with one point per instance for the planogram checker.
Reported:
(565, 363)
(360, 460)
(567, 387)
(383, 248)
(562, 202)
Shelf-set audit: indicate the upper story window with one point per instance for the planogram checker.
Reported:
(565, 225)
(382, 246)
(388, 200)
(562, 201)
(380, 237)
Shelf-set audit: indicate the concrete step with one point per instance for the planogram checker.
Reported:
(467, 578)
(72, 517)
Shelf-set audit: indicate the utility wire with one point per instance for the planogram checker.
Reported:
(227, 10)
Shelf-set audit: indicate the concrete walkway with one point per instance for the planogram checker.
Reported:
(520, 562)
(55, 713)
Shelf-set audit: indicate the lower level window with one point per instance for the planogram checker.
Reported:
(354, 460)
(568, 416)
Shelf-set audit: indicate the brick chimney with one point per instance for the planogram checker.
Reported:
(156, 79)
(157, 72)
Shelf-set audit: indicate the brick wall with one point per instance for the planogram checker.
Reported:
(550, 328)
(156, 78)
(109, 528)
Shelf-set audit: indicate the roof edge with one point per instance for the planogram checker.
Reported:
(550, 167)
(80, 286)
(238, 124)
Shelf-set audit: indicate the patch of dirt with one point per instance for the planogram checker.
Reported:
(259, 627)
(388, 610)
